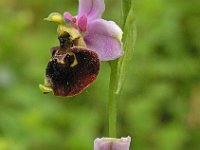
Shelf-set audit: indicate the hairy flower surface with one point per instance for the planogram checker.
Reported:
(103, 37)
(112, 144)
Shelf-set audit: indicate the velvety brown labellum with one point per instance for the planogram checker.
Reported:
(69, 74)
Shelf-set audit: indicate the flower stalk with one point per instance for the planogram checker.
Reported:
(112, 103)
(120, 66)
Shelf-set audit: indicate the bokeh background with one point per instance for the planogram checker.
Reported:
(160, 102)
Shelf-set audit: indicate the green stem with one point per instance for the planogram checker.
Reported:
(119, 67)
(112, 102)
(112, 106)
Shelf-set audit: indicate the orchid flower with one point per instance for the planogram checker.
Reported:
(103, 37)
(85, 40)
(112, 144)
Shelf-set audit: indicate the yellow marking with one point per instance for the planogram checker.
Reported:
(75, 60)
(61, 61)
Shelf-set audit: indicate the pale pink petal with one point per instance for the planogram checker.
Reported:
(104, 37)
(93, 9)
(69, 17)
(82, 23)
(112, 144)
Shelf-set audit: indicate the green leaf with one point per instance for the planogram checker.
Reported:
(126, 6)
(129, 40)
(120, 66)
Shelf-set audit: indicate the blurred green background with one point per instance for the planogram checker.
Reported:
(160, 102)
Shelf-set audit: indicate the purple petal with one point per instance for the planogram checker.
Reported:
(82, 23)
(104, 37)
(93, 9)
(69, 17)
(112, 144)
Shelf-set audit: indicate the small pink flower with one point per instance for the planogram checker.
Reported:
(112, 144)
(104, 37)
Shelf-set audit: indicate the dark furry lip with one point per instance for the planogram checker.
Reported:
(69, 72)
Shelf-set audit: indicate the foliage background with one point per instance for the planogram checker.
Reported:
(159, 105)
